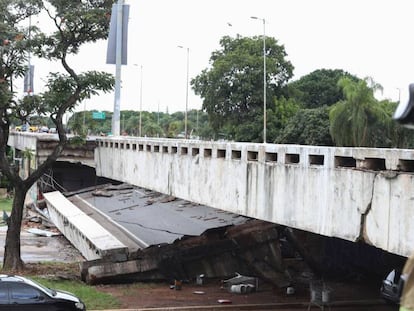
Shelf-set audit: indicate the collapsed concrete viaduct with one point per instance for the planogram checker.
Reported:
(349, 193)
(356, 194)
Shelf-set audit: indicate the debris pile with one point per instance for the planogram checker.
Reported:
(36, 221)
(180, 241)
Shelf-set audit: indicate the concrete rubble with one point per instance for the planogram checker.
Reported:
(170, 239)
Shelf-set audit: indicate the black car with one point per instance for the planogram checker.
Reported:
(392, 286)
(23, 294)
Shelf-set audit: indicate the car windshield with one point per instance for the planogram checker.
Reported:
(49, 291)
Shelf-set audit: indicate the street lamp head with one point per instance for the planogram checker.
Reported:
(258, 18)
(183, 47)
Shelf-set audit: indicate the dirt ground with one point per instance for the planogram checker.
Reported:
(212, 292)
(161, 295)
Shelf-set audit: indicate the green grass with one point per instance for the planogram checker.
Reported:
(93, 299)
(6, 204)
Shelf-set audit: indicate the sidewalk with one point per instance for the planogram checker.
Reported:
(272, 306)
(37, 248)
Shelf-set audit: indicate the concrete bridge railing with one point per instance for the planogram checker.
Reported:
(42, 144)
(349, 193)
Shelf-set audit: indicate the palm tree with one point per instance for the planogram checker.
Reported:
(352, 119)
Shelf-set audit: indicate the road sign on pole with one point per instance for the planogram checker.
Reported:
(98, 115)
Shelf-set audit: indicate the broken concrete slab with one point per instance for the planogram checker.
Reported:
(153, 218)
(174, 239)
(41, 232)
(215, 254)
(88, 236)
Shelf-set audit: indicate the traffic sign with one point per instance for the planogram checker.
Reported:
(98, 115)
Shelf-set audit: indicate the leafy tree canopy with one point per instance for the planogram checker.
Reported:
(319, 88)
(353, 119)
(232, 88)
(307, 127)
(153, 124)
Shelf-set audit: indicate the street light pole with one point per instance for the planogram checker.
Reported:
(140, 107)
(186, 93)
(264, 76)
(140, 102)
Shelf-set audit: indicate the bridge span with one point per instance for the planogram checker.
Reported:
(356, 194)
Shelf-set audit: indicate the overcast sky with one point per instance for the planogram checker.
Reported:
(364, 37)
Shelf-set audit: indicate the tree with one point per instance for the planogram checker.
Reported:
(131, 125)
(278, 115)
(319, 88)
(27, 106)
(92, 126)
(232, 88)
(307, 127)
(353, 119)
(174, 128)
(152, 129)
(76, 23)
(203, 129)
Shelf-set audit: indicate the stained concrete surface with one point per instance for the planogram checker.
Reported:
(36, 248)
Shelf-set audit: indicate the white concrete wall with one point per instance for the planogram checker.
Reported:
(26, 141)
(349, 193)
(30, 141)
(23, 141)
(42, 145)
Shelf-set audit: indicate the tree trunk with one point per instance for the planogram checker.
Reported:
(12, 258)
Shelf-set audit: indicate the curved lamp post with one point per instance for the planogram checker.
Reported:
(264, 76)
(186, 92)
